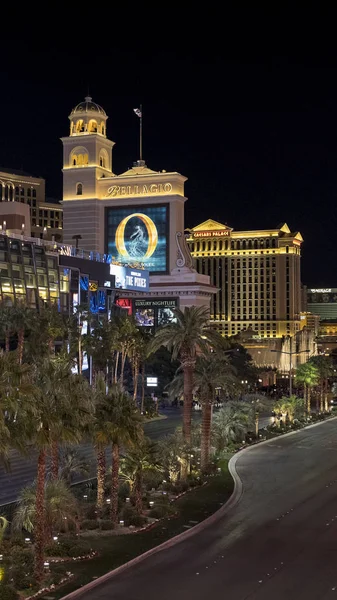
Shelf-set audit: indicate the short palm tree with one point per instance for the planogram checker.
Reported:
(231, 424)
(307, 374)
(190, 336)
(139, 457)
(3, 526)
(60, 509)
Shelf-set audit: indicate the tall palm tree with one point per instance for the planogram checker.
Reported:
(325, 368)
(120, 426)
(23, 319)
(188, 337)
(307, 374)
(52, 324)
(15, 393)
(50, 418)
(125, 332)
(213, 371)
(6, 326)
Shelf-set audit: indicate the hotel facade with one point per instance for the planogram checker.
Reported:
(257, 274)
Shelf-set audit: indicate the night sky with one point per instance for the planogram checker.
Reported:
(254, 129)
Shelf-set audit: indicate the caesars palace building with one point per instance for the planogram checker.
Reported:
(250, 279)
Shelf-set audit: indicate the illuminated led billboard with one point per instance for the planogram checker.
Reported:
(139, 235)
(130, 279)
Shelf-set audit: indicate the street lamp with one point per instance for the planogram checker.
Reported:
(291, 353)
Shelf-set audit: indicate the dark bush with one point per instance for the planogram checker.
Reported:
(137, 520)
(23, 558)
(106, 525)
(18, 540)
(159, 512)
(80, 549)
(90, 512)
(8, 593)
(22, 577)
(180, 486)
(56, 550)
(89, 524)
(131, 517)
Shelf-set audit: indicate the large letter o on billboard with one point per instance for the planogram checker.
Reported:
(151, 232)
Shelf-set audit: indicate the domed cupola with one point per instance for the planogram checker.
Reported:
(88, 118)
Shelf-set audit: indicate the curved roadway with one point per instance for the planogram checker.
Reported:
(278, 543)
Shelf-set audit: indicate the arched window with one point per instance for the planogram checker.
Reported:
(79, 189)
(93, 126)
(103, 159)
(79, 156)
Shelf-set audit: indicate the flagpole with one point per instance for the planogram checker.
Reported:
(141, 134)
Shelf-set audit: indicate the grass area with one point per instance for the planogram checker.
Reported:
(114, 551)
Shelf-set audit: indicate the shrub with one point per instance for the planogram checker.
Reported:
(137, 520)
(22, 558)
(21, 577)
(159, 512)
(18, 540)
(89, 524)
(56, 550)
(8, 593)
(106, 525)
(80, 549)
(90, 512)
(131, 517)
(58, 573)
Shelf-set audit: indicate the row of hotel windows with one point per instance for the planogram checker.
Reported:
(205, 246)
(11, 192)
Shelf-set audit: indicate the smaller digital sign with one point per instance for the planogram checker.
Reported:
(155, 312)
(152, 381)
(130, 279)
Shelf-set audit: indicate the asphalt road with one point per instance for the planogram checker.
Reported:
(279, 542)
(23, 470)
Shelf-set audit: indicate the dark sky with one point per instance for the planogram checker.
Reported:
(251, 124)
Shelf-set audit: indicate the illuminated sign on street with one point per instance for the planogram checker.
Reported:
(321, 291)
(139, 234)
(130, 279)
(222, 233)
(139, 190)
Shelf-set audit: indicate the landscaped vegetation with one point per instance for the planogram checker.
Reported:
(47, 408)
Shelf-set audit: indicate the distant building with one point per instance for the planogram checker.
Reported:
(46, 217)
(322, 302)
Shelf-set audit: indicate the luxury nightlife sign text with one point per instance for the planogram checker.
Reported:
(139, 235)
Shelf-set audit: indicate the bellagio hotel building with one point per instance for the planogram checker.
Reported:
(257, 274)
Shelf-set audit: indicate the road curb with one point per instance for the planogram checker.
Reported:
(231, 502)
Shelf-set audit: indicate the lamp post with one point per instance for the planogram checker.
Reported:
(291, 353)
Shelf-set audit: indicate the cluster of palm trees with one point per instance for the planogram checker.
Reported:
(45, 402)
(315, 374)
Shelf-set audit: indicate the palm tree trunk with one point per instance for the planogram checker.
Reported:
(40, 517)
(7, 342)
(317, 402)
(188, 398)
(21, 335)
(326, 405)
(116, 368)
(135, 380)
(114, 483)
(308, 400)
(143, 389)
(122, 368)
(54, 460)
(305, 395)
(321, 408)
(205, 435)
(138, 491)
(101, 469)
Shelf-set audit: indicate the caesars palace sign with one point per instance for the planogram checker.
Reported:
(214, 233)
(139, 190)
